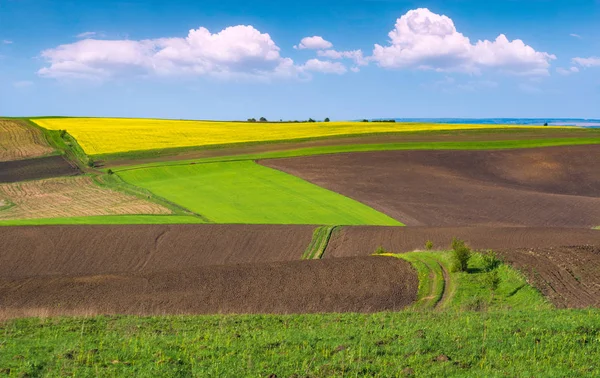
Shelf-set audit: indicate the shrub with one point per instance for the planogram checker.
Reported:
(251, 119)
(490, 261)
(326, 119)
(311, 120)
(429, 245)
(460, 255)
(492, 280)
(91, 163)
(63, 133)
(110, 172)
(380, 251)
(263, 119)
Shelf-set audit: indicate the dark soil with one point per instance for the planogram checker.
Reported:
(545, 187)
(364, 240)
(568, 276)
(29, 251)
(38, 168)
(365, 284)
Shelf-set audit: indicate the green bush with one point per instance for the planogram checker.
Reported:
(490, 261)
(460, 255)
(380, 251)
(429, 245)
(492, 280)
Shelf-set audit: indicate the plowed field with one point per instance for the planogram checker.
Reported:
(366, 284)
(20, 141)
(548, 187)
(38, 168)
(69, 197)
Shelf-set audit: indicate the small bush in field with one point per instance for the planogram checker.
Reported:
(460, 255)
(429, 245)
(380, 251)
(490, 261)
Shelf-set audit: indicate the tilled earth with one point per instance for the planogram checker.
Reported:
(362, 284)
(543, 187)
(37, 168)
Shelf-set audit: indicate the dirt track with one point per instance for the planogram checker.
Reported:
(366, 284)
(38, 168)
(93, 250)
(546, 187)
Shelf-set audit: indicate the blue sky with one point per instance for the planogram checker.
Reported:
(248, 58)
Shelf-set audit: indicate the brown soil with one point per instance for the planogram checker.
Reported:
(366, 284)
(33, 169)
(70, 197)
(449, 136)
(547, 187)
(98, 250)
(21, 141)
(568, 276)
(364, 240)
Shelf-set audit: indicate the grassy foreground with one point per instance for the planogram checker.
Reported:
(245, 192)
(517, 343)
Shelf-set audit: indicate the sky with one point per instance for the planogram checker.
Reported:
(342, 59)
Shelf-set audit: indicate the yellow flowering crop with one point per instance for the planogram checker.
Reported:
(114, 135)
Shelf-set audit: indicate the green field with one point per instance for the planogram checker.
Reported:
(245, 192)
(107, 219)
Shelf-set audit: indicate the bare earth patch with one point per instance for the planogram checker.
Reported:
(19, 141)
(70, 197)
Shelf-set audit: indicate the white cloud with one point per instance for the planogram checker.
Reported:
(7, 42)
(23, 84)
(567, 71)
(587, 62)
(316, 65)
(355, 55)
(235, 51)
(575, 35)
(313, 43)
(87, 34)
(425, 40)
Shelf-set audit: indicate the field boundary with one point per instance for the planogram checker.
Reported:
(319, 242)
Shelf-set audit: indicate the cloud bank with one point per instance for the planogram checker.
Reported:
(420, 40)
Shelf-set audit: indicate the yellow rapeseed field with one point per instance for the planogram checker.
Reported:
(114, 135)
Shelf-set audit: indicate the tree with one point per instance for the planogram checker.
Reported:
(327, 119)
(251, 119)
(263, 119)
(546, 124)
(311, 120)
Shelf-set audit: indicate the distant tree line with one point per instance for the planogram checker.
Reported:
(263, 119)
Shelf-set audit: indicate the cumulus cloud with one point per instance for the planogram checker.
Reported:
(313, 43)
(316, 65)
(235, 51)
(426, 40)
(587, 62)
(567, 71)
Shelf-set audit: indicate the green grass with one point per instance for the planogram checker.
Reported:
(465, 291)
(319, 242)
(325, 150)
(107, 219)
(549, 343)
(245, 192)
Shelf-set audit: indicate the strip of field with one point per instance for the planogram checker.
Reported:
(106, 220)
(99, 136)
(99, 250)
(367, 284)
(69, 197)
(245, 192)
(19, 141)
(276, 152)
(319, 242)
(34, 169)
(525, 187)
